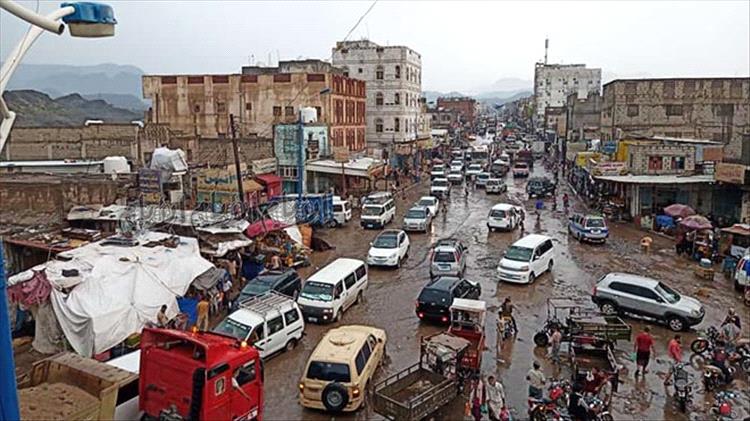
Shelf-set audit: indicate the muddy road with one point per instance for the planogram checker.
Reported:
(389, 304)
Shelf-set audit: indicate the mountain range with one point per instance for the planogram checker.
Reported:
(37, 109)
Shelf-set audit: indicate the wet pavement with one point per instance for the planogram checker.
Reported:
(389, 304)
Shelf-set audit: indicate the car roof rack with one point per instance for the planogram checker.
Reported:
(264, 304)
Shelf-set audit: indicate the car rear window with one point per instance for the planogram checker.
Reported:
(444, 257)
(434, 296)
(497, 213)
(330, 372)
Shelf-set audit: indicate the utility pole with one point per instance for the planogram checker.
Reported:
(300, 156)
(236, 151)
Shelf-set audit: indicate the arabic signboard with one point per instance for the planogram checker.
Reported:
(609, 146)
(731, 173)
(149, 180)
(341, 154)
(609, 168)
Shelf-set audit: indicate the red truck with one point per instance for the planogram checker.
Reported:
(199, 375)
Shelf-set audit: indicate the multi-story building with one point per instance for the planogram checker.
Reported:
(554, 82)
(583, 116)
(443, 119)
(259, 98)
(464, 106)
(394, 87)
(702, 108)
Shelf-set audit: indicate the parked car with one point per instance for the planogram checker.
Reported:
(455, 176)
(389, 248)
(520, 169)
(432, 204)
(482, 178)
(437, 171)
(591, 228)
(539, 187)
(474, 169)
(418, 218)
(342, 210)
(495, 185)
(340, 368)
(270, 322)
(504, 216)
(448, 258)
(286, 282)
(332, 290)
(627, 293)
(435, 299)
(527, 259)
(441, 188)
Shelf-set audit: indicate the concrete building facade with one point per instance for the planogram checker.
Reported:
(259, 98)
(583, 117)
(394, 87)
(554, 82)
(701, 108)
(464, 106)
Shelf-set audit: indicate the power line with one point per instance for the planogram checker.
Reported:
(360, 20)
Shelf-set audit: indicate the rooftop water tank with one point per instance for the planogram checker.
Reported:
(309, 115)
(116, 165)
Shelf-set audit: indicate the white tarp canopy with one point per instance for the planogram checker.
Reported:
(118, 288)
(169, 160)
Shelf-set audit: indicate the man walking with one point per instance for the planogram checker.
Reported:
(202, 308)
(643, 347)
(555, 341)
(495, 398)
(536, 380)
(674, 349)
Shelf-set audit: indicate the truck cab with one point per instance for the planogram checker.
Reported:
(199, 375)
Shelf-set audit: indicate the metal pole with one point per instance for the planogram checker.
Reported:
(8, 395)
(236, 151)
(300, 156)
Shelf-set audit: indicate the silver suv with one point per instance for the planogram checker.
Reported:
(641, 296)
(448, 258)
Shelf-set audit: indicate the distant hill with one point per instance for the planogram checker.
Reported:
(500, 98)
(118, 84)
(432, 96)
(37, 109)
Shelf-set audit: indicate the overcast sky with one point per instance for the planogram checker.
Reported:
(464, 45)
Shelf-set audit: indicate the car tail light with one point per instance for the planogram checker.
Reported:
(355, 392)
(444, 319)
(420, 315)
(301, 387)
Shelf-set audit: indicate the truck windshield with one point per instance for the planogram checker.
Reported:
(668, 293)
(317, 291)
(330, 372)
(233, 328)
(519, 254)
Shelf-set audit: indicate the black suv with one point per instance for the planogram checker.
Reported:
(539, 187)
(285, 281)
(436, 298)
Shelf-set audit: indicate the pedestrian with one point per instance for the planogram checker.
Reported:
(495, 398)
(555, 341)
(477, 397)
(161, 317)
(202, 308)
(674, 350)
(536, 380)
(506, 312)
(643, 347)
(523, 219)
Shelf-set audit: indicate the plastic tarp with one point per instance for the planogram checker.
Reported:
(119, 288)
(169, 160)
(264, 226)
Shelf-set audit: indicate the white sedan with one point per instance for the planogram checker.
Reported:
(389, 249)
(431, 203)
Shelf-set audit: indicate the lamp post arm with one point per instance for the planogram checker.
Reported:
(48, 23)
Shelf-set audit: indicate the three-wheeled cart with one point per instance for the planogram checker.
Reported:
(576, 319)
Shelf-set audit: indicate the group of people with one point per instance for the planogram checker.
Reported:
(489, 397)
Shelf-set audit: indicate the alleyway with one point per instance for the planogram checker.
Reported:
(390, 304)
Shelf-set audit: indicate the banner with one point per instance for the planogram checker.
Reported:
(731, 173)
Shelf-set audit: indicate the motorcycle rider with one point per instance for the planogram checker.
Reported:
(732, 318)
(506, 311)
(729, 333)
(719, 360)
(674, 349)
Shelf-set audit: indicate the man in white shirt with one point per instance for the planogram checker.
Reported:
(495, 397)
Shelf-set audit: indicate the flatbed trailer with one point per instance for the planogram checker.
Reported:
(585, 356)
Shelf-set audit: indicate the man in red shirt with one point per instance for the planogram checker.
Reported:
(644, 346)
(674, 349)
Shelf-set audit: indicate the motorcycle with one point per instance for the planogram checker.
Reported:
(555, 407)
(682, 389)
(598, 411)
(714, 378)
(705, 343)
(722, 407)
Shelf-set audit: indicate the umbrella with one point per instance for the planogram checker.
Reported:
(679, 211)
(696, 222)
(264, 226)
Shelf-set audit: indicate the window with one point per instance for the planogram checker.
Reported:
(361, 272)
(337, 290)
(127, 392)
(359, 70)
(724, 110)
(277, 111)
(219, 386)
(319, 113)
(349, 281)
(282, 77)
(291, 316)
(379, 98)
(655, 163)
(396, 124)
(678, 162)
(329, 372)
(630, 87)
(275, 325)
(245, 374)
(674, 109)
(221, 107)
(316, 77)
(632, 111)
(248, 106)
(360, 362)
(398, 72)
(289, 111)
(379, 125)
(346, 72)
(397, 98)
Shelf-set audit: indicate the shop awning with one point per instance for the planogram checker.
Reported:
(360, 167)
(657, 179)
(738, 229)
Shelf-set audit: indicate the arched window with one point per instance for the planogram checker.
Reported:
(396, 124)
(379, 98)
(379, 73)
(398, 72)
(379, 125)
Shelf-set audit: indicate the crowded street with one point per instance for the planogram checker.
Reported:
(391, 294)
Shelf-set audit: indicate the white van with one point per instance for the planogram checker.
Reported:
(527, 259)
(126, 406)
(333, 289)
(378, 214)
(271, 322)
(342, 210)
(504, 216)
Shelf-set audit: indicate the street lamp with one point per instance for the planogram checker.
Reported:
(89, 20)
(86, 20)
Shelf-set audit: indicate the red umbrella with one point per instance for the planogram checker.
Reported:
(696, 222)
(261, 227)
(679, 211)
